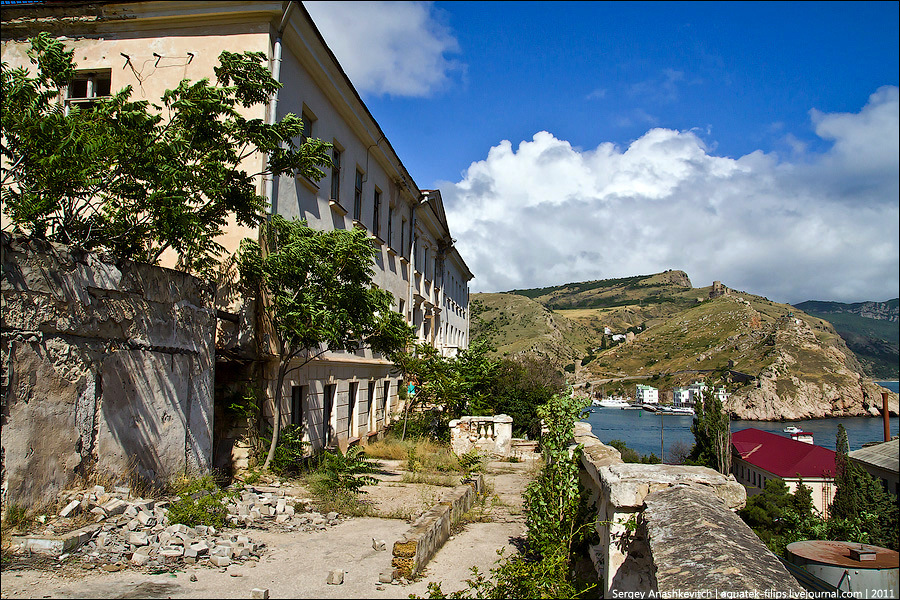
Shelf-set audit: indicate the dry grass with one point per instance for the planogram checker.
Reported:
(420, 455)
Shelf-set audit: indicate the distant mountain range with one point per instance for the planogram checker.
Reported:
(779, 361)
(871, 330)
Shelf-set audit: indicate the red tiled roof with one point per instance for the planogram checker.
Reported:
(783, 456)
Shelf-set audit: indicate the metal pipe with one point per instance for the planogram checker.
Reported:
(886, 416)
(273, 104)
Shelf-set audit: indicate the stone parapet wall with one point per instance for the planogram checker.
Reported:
(668, 529)
(106, 366)
(429, 533)
(490, 435)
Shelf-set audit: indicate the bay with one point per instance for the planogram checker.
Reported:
(640, 430)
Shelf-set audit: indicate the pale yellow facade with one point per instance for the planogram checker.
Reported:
(151, 46)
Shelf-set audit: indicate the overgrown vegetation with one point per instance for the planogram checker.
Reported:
(200, 502)
(134, 178)
(556, 520)
(474, 384)
(632, 456)
(318, 296)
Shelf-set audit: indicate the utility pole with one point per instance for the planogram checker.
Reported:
(662, 452)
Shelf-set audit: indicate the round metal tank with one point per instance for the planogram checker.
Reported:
(850, 567)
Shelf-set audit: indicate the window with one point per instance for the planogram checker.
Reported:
(298, 401)
(327, 410)
(336, 174)
(403, 237)
(351, 410)
(402, 307)
(385, 401)
(357, 196)
(307, 121)
(390, 231)
(87, 87)
(373, 416)
(376, 216)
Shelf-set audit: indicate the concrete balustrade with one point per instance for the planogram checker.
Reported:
(490, 435)
(671, 530)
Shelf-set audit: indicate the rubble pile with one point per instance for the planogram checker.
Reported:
(135, 531)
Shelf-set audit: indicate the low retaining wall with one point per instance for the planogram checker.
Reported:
(429, 533)
(670, 530)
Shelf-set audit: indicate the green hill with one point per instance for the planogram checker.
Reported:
(870, 329)
(777, 361)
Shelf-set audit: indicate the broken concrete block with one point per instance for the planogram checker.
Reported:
(140, 558)
(99, 490)
(220, 561)
(259, 594)
(336, 577)
(114, 507)
(331, 516)
(170, 552)
(138, 538)
(145, 518)
(71, 509)
(200, 547)
(385, 577)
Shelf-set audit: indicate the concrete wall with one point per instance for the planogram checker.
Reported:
(105, 365)
(671, 530)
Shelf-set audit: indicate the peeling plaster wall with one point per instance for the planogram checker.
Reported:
(105, 365)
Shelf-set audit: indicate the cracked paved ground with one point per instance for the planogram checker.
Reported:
(297, 564)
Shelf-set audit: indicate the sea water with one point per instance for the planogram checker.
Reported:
(646, 432)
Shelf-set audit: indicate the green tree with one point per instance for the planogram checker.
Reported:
(846, 502)
(135, 178)
(320, 297)
(712, 434)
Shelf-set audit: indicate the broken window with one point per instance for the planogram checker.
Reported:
(87, 87)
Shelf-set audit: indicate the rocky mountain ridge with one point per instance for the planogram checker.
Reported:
(777, 361)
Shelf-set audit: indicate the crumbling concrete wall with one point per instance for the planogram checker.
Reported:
(670, 530)
(105, 365)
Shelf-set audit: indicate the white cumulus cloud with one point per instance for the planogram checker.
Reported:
(822, 227)
(388, 48)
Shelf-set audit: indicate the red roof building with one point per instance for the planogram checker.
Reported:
(760, 456)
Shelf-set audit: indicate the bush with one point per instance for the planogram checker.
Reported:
(200, 502)
(631, 456)
(290, 452)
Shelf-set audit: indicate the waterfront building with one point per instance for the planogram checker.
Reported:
(645, 394)
(688, 396)
(340, 398)
(759, 456)
(881, 461)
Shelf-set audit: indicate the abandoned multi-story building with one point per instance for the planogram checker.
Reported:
(340, 398)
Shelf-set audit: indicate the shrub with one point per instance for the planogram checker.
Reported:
(290, 451)
(200, 502)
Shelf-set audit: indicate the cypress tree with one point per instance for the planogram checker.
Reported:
(846, 501)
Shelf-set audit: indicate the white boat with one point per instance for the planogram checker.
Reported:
(792, 429)
(613, 403)
(681, 410)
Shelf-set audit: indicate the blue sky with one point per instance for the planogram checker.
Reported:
(754, 143)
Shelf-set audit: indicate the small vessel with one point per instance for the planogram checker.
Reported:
(792, 429)
(613, 403)
(680, 410)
